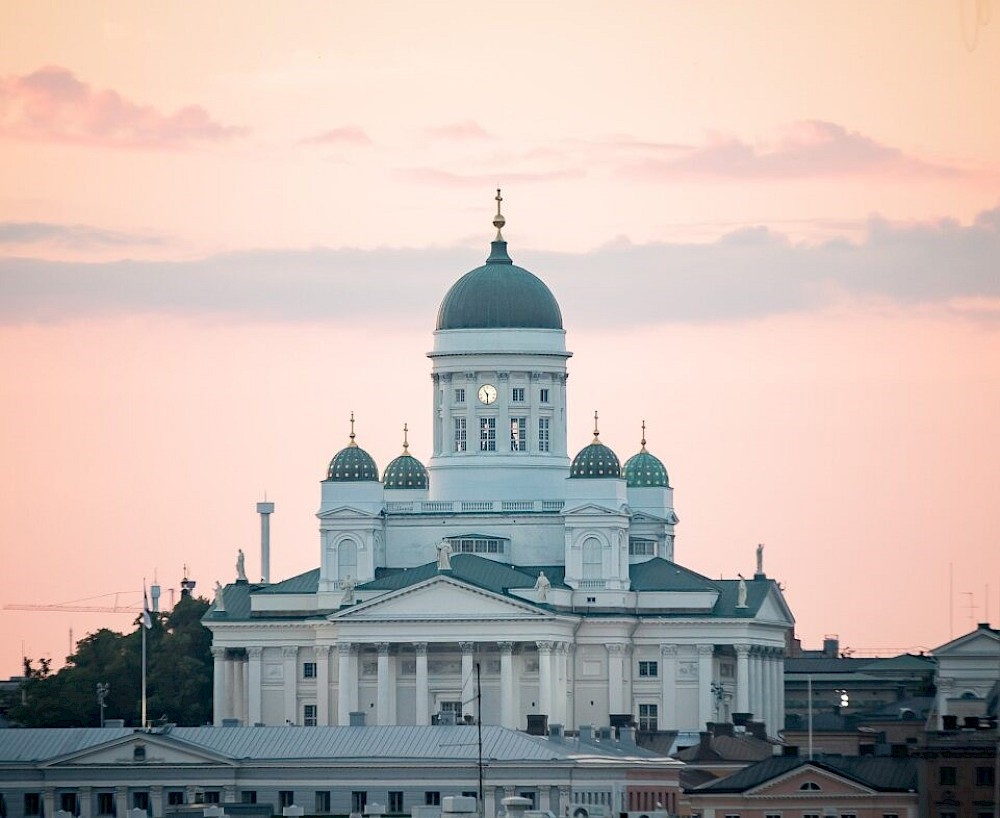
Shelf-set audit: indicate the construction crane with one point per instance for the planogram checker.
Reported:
(87, 605)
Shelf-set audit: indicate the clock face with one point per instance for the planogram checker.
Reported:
(487, 393)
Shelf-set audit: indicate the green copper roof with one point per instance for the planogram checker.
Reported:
(405, 472)
(644, 469)
(595, 460)
(351, 464)
(499, 294)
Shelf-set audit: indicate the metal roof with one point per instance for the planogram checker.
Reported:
(885, 774)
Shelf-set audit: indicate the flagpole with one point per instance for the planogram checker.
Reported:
(147, 623)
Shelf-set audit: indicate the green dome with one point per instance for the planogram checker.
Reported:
(352, 464)
(497, 295)
(644, 469)
(405, 472)
(595, 460)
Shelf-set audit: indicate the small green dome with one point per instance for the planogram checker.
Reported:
(352, 463)
(405, 472)
(595, 460)
(644, 469)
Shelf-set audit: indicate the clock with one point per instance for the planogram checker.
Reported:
(487, 393)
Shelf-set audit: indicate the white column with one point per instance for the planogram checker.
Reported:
(561, 684)
(507, 715)
(742, 678)
(121, 800)
(705, 697)
(423, 692)
(468, 682)
(255, 712)
(545, 677)
(290, 655)
(384, 686)
(345, 683)
(781, 690)
(668, 687)
(755, 682)
(239, 675)
(221, 685)
(323, 685)
(616, 677)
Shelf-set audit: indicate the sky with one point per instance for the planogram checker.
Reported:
(773, 229)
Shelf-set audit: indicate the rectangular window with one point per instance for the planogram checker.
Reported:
(647, 717)
(215, 797)
(396, 801)
(32, 803)
(772, 815)
(642, 548)
(530, 796)
(286, 798)
(246, 797)
(175, 798)
(848, 815)
(648, 669)
(106, 803)
(309, 670)
(543, 434)
(810, 815)
(359, 800)
(543, 395)
(518, 434)
(948, 776)
(487, 434)
(140, 800)
(461, 442)
(459, 396)
(984, 776)
(322, 803)
(432, 799)
(890, 815)
(309, 715)
(68, 802)
(517, 394)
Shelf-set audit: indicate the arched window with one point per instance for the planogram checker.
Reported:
(347, 559)
(593, 566)
(811, 786)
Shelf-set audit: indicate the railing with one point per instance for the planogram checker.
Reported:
(474, 506)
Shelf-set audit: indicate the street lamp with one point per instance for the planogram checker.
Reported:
(102, 693)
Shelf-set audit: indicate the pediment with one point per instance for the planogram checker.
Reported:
(344, 512)
(774, 609)
(157, 750)
(594, 509)
(646, 517)
(441, 598)
(794, 781)
(977, 643)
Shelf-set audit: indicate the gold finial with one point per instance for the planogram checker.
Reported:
(352, 443)
(596, 432)
(406, 442)
(498, 220)
(643, 436)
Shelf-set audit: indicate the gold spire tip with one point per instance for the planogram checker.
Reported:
(499, 221)
(406, 441)
(643, 435)
(596, 432)
(351, 435)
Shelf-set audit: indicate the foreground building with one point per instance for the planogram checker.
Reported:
(95, 772)
(549, 581)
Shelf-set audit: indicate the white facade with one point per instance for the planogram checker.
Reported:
(391, 627)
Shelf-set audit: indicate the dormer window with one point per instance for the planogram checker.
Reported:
(810, 786)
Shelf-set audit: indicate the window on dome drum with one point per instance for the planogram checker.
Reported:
(487, 434)
(459, 396)
(642, 548)
(309, 670)
(543, 434)
(647, 717)
(461, 442)
(649, 669)
(309, 715)
(948, 776)
(322, 801)
(396, 801)
(518, 434)
(517, 394)
(477, 545)
(286, 798)
(810, 786)
(543, 395)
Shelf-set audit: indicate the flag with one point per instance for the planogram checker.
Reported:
(147, 617)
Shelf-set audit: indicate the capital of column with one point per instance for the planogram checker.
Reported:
(420, 648)
(742, 650)
(322, 651)
(383, 648)
(616, 648)
(345, 648)
(218, 653)
(562, 647)
(255, 653)
(706, 650)
(668, 650)
(290, 651)
(467, 647)
(506, 647)
(545, 646)
(564, 792)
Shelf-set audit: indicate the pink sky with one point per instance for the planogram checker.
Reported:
(773, 229)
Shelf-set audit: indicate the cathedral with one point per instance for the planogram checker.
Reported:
(503, 580)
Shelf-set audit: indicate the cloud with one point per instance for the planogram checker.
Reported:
(346, 135)
(444, 178)
(803, 150)
(52, 105)
(459, 131)
(750, 273)
(76, 236)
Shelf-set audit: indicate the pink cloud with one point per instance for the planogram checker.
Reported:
(52, 105)
(462, 131)
(805, 149)
(346, 135)
(433, 176)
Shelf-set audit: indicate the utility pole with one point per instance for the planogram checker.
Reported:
(102, 693)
